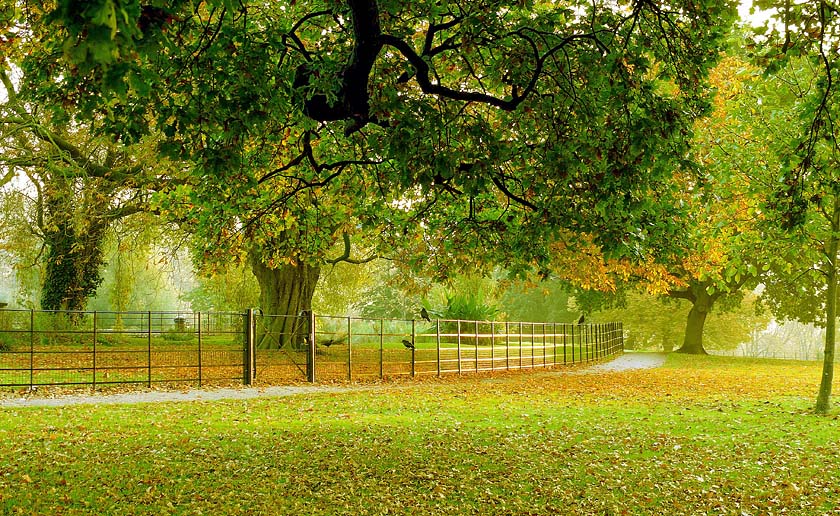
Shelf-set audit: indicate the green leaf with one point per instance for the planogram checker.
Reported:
(106, 15)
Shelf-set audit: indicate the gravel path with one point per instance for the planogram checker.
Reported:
(626, 362)
(630, 361)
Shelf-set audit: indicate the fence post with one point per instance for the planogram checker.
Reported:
(581, 338)
(596, 330)
(94, 350)
(476, 346)
(31, 348)
(586, 342)
(413, 344)
(349, 351)
(381, 347)
(621, 335)
(492, 345)
(520, 345)
(149, 343)
(533, 360)
(310, 353)
(614, 337)
(459, 346)
(248, 352)
(198, 328)
(564, 342)
(604, 340)
(507, 345)
(437, 342)
(602, 332)
(545, 359)
(572, 328)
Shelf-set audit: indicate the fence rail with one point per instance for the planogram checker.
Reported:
(102, 348)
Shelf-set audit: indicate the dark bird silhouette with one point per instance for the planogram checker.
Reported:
(424, 314)
(408, 344)
(581, 319)
(334, 341)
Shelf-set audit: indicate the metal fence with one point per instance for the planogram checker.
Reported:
(102, 348)
(354, 347)
(800, 356)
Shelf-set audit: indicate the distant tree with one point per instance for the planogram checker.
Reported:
(651, 321)
(79, 183)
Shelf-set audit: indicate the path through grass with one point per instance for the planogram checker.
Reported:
(700, 436)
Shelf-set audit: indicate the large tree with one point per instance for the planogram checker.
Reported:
(727, 246)
(450, 133)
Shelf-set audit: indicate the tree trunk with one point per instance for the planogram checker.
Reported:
(285, 293)
(824, 396)
(701, 305)
(74, 246)
(73, 268)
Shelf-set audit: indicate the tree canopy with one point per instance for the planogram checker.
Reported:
(484, 131)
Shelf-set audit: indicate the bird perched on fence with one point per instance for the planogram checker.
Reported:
(327, 343)
(581, 319)
(424, 314)
(408, 344)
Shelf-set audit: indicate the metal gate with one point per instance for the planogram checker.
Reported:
(278, 349)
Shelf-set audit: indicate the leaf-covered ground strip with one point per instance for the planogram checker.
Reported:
(700, 436)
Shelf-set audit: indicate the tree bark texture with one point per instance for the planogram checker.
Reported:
(285, 292)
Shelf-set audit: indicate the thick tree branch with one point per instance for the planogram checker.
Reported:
(345, 256)
(72, 155)
(422, 76)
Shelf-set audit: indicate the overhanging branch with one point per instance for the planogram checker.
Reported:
(345, 256)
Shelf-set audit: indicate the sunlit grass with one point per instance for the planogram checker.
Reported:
(703, 435)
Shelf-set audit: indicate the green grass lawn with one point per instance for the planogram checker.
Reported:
(703, 435)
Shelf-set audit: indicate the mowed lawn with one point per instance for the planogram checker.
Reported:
(702, 435)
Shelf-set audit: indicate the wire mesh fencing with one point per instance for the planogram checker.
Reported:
(200, 348)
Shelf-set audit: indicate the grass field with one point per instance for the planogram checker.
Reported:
(703, 435)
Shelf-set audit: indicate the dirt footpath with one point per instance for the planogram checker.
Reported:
(626, 362)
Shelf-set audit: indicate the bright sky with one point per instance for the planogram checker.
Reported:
(757, 18)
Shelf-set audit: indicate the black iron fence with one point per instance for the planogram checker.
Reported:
(102, 348)
(99, 348)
